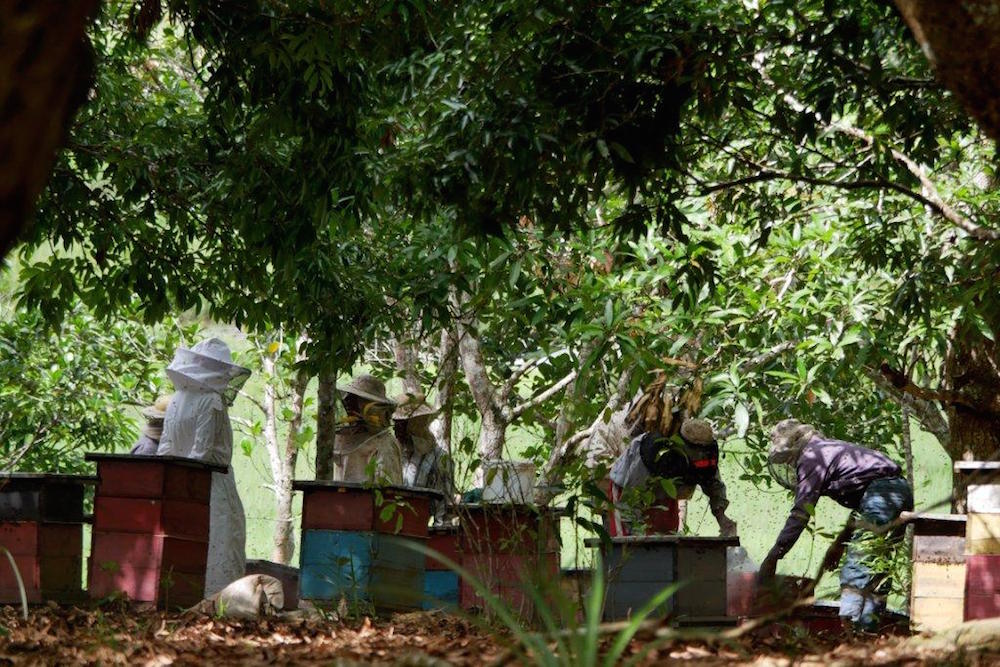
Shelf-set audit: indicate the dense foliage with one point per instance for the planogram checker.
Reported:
(75, 388)
(778, 194)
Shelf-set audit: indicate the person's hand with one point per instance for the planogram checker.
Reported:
(727, 528)
(765, 575)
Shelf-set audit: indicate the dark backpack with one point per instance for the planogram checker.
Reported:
(677, 458)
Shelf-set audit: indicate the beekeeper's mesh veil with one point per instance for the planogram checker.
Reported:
(787, 440)
(208, 365)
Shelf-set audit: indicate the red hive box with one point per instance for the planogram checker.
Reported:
(151, 522)
(982, 586)
(41, 524)
(510, 549)
(352, 506)
(445, 541)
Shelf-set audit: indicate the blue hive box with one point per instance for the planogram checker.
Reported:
(440, 589)
(361, 567)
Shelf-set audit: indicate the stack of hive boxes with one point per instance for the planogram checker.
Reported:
(982, 538)
(151, 520)
(441, 584)
(637, 568)
(355, 544)
(938, 584)
(41, 524)
(511, 549)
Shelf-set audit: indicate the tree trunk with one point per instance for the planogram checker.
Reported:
(907, 442)
(945, 31)
(46, 67)
(447, 370)
(405, 353)
(284, 537)
(326, 424)
(493, 423)
(492, 436)
(972, 371)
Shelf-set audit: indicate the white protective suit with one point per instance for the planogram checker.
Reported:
(197, 426)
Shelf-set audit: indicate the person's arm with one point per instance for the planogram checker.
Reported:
(806, 495)
(715, 490)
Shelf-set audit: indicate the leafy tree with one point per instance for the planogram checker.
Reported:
(66, 391)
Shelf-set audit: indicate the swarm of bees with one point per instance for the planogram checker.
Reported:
(663, 407)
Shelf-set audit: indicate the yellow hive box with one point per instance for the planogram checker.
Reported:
(936, 614)
(938, 580)
(982, 534)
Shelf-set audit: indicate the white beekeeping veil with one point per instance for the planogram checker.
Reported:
(788, 438)
(208, 366)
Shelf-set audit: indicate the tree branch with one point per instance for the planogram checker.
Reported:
(933, 198)
(767, 356)
(518, 373)
(926, 411)
(519, 410)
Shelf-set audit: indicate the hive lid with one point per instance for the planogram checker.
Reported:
(178, 460)
(334, 485)
(990, 470)
(689, 540)
(927, 523)
(47, 477)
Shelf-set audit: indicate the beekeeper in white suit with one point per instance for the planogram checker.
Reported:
(197, 427)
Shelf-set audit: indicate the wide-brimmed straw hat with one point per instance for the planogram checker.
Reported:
(411, 406)
(158, 410)
(368, 387)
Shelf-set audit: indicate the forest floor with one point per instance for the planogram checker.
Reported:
(68, 635)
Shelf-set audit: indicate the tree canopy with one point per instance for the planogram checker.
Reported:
(777, 193)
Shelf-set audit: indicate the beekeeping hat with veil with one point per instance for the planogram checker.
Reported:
(377, 408)
(208, 366)
(788, 438)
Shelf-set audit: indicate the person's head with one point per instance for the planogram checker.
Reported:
(365, 401)
(788, 438)
(154, 415)
(413, 419)
(697, 432)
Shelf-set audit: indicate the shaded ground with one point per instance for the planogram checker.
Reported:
(72, 636)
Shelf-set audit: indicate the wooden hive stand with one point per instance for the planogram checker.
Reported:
(355, 544)
(151, 521)
(41, 524)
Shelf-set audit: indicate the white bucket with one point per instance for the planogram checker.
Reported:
(508, 482)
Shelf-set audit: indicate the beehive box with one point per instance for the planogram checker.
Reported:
(395, 510)
(637, 568)
(982, 586)
(151, 528)
(41, 524)
(493, 528)
(355, 543)
(938, 578)
(512, 549)
(441, 585)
